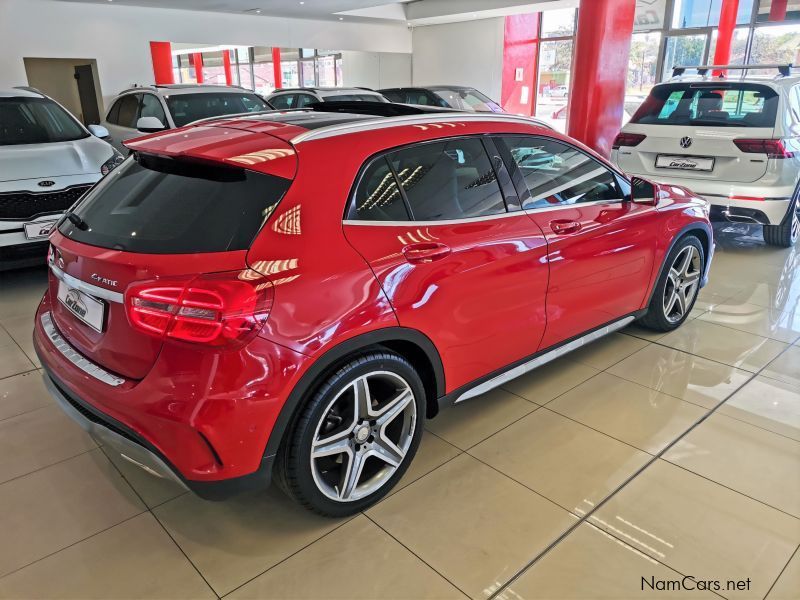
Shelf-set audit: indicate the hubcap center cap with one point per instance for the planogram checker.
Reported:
(362, 434)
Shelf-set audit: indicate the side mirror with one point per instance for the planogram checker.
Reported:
(149, 125)
(643, 191)
(98, 131)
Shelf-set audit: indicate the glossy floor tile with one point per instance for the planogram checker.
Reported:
(699, 527)
(629, 412)
(601, 475)
(572, 465)
(749, 459)
(590, 563)
(358, 560)
(472, 524)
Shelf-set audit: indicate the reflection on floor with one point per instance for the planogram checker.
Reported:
(612, 473)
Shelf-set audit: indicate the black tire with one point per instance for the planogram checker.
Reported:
(784, 235)
(656, 317)
(293, 468)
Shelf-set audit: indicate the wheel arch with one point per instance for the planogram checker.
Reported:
(412, 344)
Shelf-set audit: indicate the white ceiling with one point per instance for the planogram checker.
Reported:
(414, 12)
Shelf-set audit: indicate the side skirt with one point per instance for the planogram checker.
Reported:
(483, 385)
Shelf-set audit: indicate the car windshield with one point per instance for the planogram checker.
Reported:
(36, 121)
(466, 99)
(186, 108)
(709, 104)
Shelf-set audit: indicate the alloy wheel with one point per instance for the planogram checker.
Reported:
(795, 232)
(363, 436)
(683, 283)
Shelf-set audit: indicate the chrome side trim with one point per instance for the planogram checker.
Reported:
(422, 120)
(75, 357)
(543, 359)
(88, 288)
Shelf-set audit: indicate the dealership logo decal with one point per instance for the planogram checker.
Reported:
(75, 304)
(686, 142)
(682, 163)
(47, 183)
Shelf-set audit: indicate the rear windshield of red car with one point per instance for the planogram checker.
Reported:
(159, 205)
(709, 104)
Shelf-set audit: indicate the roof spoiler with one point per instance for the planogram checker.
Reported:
(702, 70)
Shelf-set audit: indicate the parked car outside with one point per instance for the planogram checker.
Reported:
(558, 91)
(146, 109)
(734, 141)
(329, 281)
(288, 98)
(444, 96)
(48, 160)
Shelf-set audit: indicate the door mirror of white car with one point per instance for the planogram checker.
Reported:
(643, 191)
(150, 125)
(98, 131)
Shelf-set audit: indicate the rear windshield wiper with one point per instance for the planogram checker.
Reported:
(76, 220)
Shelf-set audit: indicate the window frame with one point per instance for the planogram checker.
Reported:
(138, 97)
(350, 214)
(523, 191)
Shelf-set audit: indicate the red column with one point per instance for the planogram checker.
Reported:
(161, 53)
(600, 72)
(727, 23)
(226, 64)
(197, 58)
(276, 67)
(777, 11)
(520, 43)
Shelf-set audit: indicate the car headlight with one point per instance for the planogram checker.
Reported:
(112, 163)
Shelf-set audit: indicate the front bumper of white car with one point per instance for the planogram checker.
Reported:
(28, 209)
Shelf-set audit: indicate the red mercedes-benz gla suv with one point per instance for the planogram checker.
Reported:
(295, 293)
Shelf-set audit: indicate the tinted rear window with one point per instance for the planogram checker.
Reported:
(164, 206)
(720, 105)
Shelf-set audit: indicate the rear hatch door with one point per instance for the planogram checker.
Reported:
(154, 218)
(690, 131)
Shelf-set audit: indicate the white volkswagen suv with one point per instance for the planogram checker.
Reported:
(736, 142)
(48, 160)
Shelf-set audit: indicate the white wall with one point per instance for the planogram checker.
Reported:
(118, 36)
(376, 69)
(467, 53)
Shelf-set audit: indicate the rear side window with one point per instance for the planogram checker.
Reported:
(448, 180)
(151, 107)
(164, 206)
(378, 198)
(394, 95)
(557, 174)
(720, 105)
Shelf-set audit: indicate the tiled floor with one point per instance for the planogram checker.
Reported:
(614, 471)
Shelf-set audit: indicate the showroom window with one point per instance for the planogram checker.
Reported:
(448, 180)
(555, 65)
(557, 174)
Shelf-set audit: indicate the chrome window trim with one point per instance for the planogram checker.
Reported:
(75, 357)
(515, 213)
(424, 119)
(543, 359)
(88, 288)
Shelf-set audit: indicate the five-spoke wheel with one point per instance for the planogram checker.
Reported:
(683, 282)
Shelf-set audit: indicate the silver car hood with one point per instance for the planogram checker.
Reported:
(56, 159)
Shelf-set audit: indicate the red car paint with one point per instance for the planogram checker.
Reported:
(486, 294)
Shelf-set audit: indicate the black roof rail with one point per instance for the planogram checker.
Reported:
(785, 70)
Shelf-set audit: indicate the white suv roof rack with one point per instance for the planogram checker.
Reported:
(784, 70)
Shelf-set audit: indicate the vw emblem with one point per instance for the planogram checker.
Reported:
(686, 142)
(47, 183)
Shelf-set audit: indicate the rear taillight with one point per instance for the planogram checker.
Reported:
(628, 139)
(217, 309)
(772, 148)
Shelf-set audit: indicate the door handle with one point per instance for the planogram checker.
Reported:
(563, 226)
(425, 252)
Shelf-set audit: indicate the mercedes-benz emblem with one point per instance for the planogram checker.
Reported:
(686, 142)
(47, 183)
